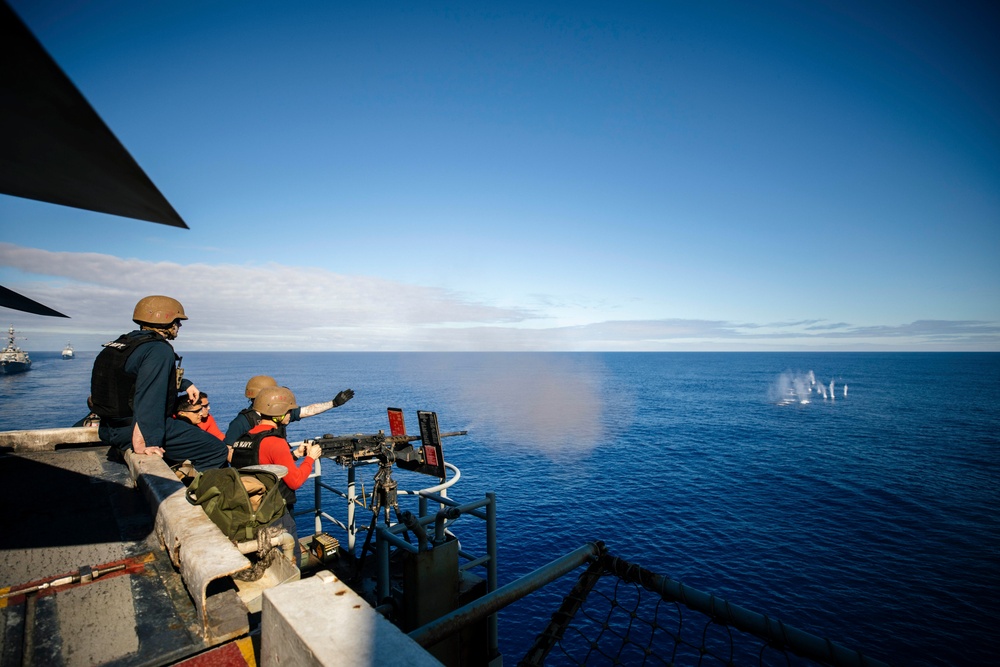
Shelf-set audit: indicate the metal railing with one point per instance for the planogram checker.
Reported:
(354, 499)
(449, 513)
(445, 515)
(607, 618)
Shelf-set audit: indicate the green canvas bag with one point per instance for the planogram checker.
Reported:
(222, 493)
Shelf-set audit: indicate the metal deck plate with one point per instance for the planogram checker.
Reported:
(67, 509)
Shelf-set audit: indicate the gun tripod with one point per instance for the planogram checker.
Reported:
(384, 497)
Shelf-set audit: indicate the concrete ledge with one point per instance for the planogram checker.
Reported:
(46, 439)
(321, 621)
(196, 547)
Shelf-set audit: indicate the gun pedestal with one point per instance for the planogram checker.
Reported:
(384, 497)
(385, 489)
(388, 450)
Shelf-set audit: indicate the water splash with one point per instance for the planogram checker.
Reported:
(801, 388)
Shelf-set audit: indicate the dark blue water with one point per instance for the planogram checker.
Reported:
(869, 518)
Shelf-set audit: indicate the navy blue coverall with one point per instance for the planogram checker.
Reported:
(152, 364)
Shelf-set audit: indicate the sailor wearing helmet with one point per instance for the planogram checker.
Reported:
(134, 386)
(266, 444)
(250, 417)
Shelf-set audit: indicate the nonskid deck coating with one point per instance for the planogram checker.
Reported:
(72, 508)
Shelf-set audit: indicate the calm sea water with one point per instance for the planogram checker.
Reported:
(868, 517)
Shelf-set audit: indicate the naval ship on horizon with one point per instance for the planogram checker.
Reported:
(12, 358)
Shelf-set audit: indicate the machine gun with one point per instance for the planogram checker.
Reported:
(397, 447)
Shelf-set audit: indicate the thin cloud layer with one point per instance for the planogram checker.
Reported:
(278, 307)
(247, 307)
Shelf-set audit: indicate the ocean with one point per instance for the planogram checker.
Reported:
(851, 495)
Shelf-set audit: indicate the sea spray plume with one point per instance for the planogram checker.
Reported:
(802, 389)
(791, 388)
(799, 387)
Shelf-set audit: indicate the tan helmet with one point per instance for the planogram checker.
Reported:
(158, 310)
(274, 401)
(258, 382)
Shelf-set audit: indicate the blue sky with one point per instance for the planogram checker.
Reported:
(533, 176)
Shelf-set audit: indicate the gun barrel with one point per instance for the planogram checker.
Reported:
(413, 438)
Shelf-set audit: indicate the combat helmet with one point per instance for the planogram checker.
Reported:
(258, 382)
(158, 309)
(274, 401)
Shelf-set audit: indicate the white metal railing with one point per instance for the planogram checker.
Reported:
(353, 498)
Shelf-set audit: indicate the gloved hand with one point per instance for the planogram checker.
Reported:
(343, 397)
(314, 451)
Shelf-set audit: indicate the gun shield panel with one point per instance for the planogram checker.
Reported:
(430, 436)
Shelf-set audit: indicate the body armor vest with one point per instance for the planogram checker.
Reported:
(246, 452)
(252, 416)
(111, 388)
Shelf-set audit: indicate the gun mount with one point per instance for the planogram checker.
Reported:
(397, 447)
(386, 450)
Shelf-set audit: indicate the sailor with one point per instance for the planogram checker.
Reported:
(266, 444)
(208, 423)
(134, 385)
(248, 417)
(188, 410)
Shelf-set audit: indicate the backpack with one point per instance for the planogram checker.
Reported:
(224, 494)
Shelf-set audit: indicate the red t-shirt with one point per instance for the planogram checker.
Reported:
(274, 449)
(210, 426)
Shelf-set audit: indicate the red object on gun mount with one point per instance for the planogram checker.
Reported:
(430, 438)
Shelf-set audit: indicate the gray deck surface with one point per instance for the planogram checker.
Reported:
(59, 511)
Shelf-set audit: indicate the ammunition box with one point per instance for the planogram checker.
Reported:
(325, 547)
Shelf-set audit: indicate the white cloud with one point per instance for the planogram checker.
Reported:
(278, 307)
(240, 307)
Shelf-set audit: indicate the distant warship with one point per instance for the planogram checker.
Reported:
(13, 359)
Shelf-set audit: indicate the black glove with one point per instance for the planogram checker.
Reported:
(343, 397)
